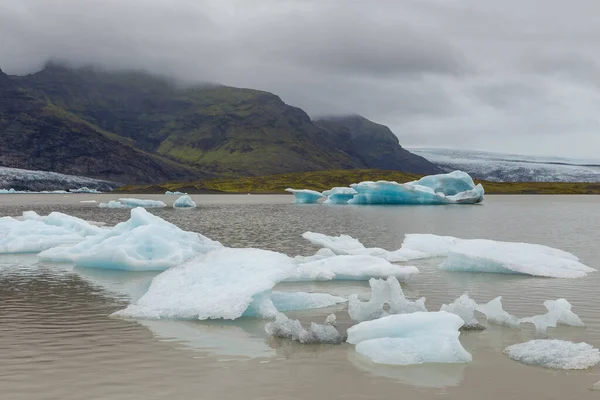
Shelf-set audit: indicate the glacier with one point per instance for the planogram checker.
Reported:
(305, 196)
(145, 242)
(286, 328)
(33, 233)
(184, 201)
(132, 203)
(558, 354)
(383, 292)
(29, 181)
(350, 267)
(221, 284)
(454, 188)
(464, 307)
(405, 339)
(339, 195)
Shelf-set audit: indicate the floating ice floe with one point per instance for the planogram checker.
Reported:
(559, 312)
(290, 301)
(132, 203)
(144, 242)
(464, 307)
(306, 196)
(495, 314)
(383, 292)
(286, 328)
(339, 195)
(453, 188)
(347, 245)
(559, 354)
(481, 255)
(350, 268)
(222, 283)
(33, 233)
(416, 338)
(169, 193)
(184, 201)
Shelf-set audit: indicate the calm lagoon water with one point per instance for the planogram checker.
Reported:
(57, 340)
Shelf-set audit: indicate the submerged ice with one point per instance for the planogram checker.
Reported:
(559, 354)
(416, 338)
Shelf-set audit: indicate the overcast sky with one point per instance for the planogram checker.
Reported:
(518, 76)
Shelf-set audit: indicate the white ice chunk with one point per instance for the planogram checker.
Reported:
(416, 338)
(347, 245)
(169, 193)
(494, 313)
(480, 255)
(305, 196)
(33, 233)
(132, 203)
(219, 284)
(184, 201)
(427, 245)
(454, 188)
(383, 292)
(339, 195)
(351, 268)
(144, 242)
(319, 255)
(289, 301)
(283, 327)
(559, 354)
(464, 307)
(559, 311)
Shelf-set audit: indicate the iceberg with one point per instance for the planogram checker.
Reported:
(222, 283)
(339, 195)
(383, 292)
(286, 328)
(305, 196)
(424, 245)
(559, 312)
(184, 201)
(169, 193)
(321, 254)
(495, 314)
(558, 354)
(453, 188)
(350, 268)
(132, 203)
(347, 245)
(464, 307)
(479, 255)
(291, 301)
(145, 242)
(33, 233)
(405, 339)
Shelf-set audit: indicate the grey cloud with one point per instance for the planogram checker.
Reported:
(510, 76)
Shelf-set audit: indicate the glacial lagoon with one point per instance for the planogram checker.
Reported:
(57, 339)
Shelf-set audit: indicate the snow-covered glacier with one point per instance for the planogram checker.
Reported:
(502, 167)
(36, 181)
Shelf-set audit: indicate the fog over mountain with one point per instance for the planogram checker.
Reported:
(514, 76)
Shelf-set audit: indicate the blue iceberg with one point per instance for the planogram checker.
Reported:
(184, 201)
(339, 195)
(305, 196)
(453, 188)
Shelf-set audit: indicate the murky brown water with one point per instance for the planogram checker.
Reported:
(57, 341)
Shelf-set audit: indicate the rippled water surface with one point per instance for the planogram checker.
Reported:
(57, 340)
